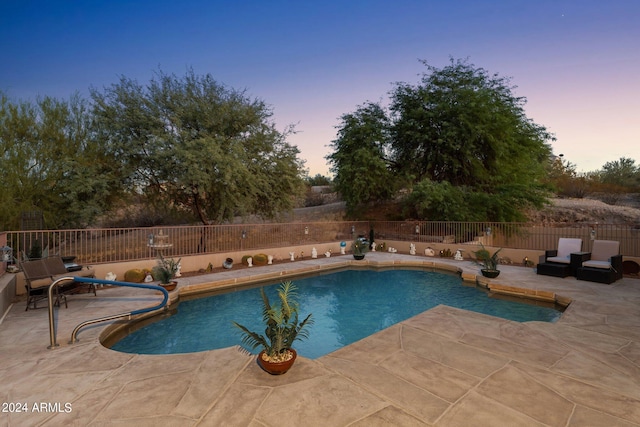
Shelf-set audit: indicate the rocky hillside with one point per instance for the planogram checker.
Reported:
(561, 210)
(587, 210)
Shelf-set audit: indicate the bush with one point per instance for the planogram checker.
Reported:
(135, 275)
(260, 259)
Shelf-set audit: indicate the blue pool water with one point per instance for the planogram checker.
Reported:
(347, 306)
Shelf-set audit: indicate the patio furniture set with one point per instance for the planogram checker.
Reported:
(603, 264)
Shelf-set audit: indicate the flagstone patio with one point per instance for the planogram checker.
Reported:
(444, 367)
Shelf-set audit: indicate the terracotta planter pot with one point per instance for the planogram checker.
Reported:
(276, 368)
(169, 286)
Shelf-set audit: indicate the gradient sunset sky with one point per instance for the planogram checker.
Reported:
(577, 62)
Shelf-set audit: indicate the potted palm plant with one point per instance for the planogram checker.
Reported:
(359, 247)
(282, 328)
(488, 262)
(165, 271)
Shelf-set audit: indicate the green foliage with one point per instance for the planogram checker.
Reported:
(281, 321)
(465, 126)
(318, 180)
(134, 275)
(437, 200)
(359, 159)
(621, 173)
(359, 246)
(485, 259)
(51, 163)
(260, 259)
(459, 125)
(441, 201)
(165, 270)
(563, 178)
(196, 145)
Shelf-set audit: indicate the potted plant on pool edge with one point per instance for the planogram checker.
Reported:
(282, 328)
(165, 271)
(359, 247)
(487, 261)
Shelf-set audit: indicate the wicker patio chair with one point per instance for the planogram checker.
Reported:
(557, 263)
(604, 263)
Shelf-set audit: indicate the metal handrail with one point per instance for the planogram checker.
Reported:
(52, 331)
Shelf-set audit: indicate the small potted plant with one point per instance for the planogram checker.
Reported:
(165, 271)
(488, 262)
(359, 248)
(282, 328)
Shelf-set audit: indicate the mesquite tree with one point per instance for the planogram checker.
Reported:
(194, 144)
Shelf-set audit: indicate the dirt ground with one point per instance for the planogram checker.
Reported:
(587, 210)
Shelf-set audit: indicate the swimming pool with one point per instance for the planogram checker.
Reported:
(347, 306)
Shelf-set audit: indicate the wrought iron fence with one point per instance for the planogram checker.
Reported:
(107, 245)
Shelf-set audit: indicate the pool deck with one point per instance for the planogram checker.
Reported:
(444, 367)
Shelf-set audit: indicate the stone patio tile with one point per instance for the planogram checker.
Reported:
(149, 397)
(411, 398)
(477, 410)
(577, 337)
(470, 360)
(439, 320)
(513, 388)
(546, 355)
(590, 370)
(464, 322)
(367, 348)
(86, 407)
(588, 417)
(415, 375)
(632, 352)
(443, 381)
(389, 417)
(238, 406)
(143, 366)
(323, 401)
(210, 379)
(53, 387)
(94, 359)
(581, 393)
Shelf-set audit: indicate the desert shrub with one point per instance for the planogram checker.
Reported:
(244, 259)
(135, 275)
(260, 259)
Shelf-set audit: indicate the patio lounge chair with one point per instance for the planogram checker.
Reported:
(41, 273)
(557, 263)
(56, 268)
(37, 281)
(604, 263)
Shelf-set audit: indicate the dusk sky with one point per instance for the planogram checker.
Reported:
(577, 62)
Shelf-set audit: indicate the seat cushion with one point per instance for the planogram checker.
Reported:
(559, 259)
(597, 264)
(603, 250)
(40, 283)
(85, 272)
(567, 246)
